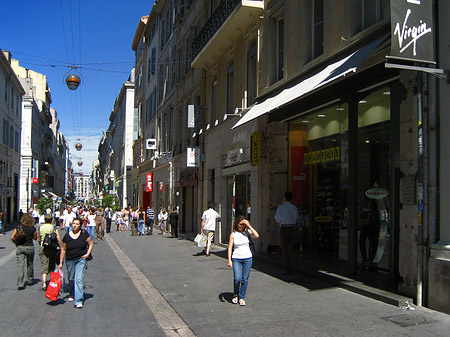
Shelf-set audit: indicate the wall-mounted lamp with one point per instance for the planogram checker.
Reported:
(231, 115)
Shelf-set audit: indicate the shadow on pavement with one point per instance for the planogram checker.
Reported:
(226, 297)
(276, 271)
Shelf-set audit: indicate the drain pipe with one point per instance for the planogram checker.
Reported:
(420, 192)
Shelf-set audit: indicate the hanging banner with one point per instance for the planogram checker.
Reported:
(193, 154)
(149, 185)
(412, 30)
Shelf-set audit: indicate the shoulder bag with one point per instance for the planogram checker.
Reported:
(19, 236)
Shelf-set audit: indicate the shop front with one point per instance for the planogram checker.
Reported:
(189, 199)
(340, 163)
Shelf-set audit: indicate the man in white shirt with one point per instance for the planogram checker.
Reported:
(67, 219)
(209, 219)
(286, 216)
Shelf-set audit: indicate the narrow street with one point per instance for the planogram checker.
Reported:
(157, 286)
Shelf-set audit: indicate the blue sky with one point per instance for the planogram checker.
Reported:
(49, 36)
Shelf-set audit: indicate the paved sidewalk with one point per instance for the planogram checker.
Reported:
(171, 288)
(199, 288)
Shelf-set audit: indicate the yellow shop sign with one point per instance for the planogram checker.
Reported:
(322, 156)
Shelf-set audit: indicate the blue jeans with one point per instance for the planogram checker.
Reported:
(141, 227)
(76, 270)
(91, 231)
(1, 226)
(241, 273)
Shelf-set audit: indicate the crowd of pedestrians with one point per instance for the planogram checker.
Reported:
(83, 226)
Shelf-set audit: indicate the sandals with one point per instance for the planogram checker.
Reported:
(235, 300)
(44, 286)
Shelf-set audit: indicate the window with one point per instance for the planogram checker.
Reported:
(230, 91)
(317, 29)
(11, 137)
(251, 75)
(16, 142)
(213, 102)
(5, 132)
(147, 110)
(280, 48)
(153, 66)
(6, 89)
(372, 12)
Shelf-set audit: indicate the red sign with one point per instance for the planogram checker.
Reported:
(161, 186)
(35, 180)
(149, 187)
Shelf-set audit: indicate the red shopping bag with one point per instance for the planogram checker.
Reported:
(54, 286)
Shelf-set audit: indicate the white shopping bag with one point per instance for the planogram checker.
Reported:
(200, 240)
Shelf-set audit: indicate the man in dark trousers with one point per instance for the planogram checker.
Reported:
(150, 220)
(286, 216)
(173, 221)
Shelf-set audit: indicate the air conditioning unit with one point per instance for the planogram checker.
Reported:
(151, 144)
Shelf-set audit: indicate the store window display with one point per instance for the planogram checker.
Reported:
(319, 173)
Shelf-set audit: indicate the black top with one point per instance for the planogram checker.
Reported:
(141, 216)
(173, 218)
(75, 248)
(29, 232)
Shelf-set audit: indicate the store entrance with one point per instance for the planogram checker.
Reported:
(238, 201)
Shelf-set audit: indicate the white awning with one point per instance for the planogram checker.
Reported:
(332, 72)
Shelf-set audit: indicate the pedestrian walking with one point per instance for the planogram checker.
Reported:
(49, 257)
(100, 223)
(286, 216)
(25, 252)
(77, 246)
(150, 220)
(134, 221)
(90, 222)
(67, 219)
(240, 257)
(35, 213)
(162, 218)
(126, 218)
(173, 221)
(141, 221)
(119, 220)
(209, 219)
(108, 218)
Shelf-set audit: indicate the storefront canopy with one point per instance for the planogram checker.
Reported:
(332, 72)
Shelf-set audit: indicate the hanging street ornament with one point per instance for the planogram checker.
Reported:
(80, 163)
(73, 81)
(78, 146)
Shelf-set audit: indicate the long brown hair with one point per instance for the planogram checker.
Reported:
(238, 219)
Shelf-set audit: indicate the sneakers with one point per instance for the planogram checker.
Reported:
(79, 306)
(71, 299)
(235, 300)
(241, 302)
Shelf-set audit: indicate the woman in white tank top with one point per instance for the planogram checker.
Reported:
(240, 257)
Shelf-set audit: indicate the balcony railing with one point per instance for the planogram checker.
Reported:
(220, 15)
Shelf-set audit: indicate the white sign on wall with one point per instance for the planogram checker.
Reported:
(193, 154)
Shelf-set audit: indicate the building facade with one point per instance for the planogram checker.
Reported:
(10, 117)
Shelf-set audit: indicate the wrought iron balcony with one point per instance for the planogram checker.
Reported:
(222, 26)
